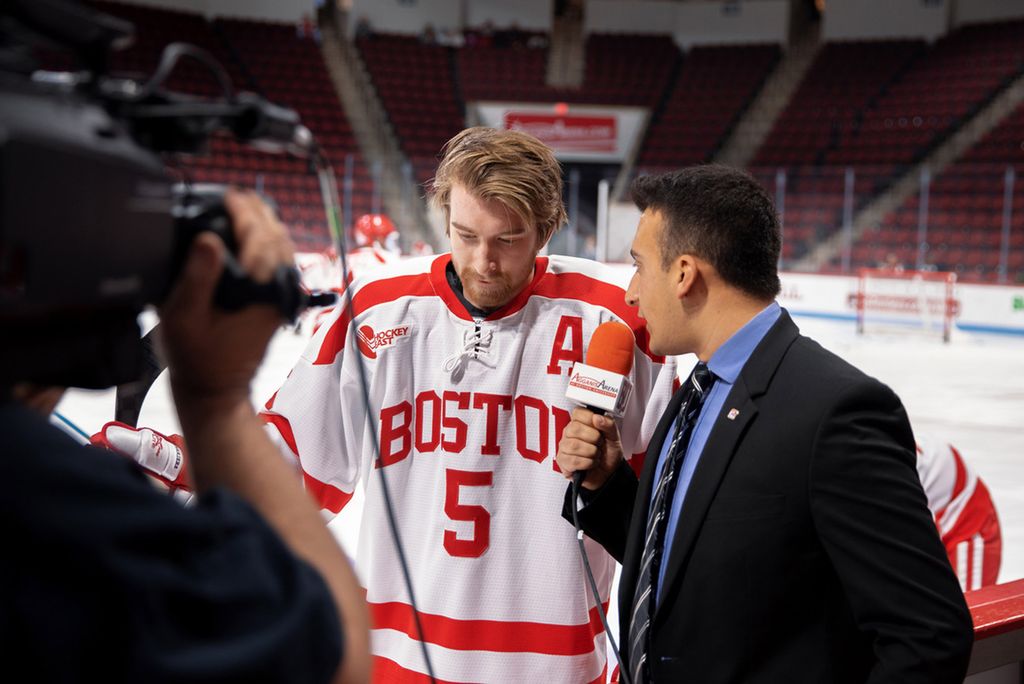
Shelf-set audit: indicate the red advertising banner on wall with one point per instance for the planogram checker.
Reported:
(567, 133)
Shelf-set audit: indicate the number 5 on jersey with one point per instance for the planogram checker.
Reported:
(475, 546)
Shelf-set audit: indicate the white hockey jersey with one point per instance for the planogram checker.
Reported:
(322, 271)
(467, 415)
(963, 511)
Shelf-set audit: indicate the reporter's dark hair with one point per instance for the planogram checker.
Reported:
(721, 215)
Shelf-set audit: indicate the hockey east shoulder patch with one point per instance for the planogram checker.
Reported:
(372, 342)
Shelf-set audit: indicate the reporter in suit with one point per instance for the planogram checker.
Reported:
(791, 539)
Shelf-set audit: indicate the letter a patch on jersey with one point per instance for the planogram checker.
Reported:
(570, 329)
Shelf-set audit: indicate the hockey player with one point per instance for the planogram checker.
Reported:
(467, 356)
(964, 513)
(376, 244)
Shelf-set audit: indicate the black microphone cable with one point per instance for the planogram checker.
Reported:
(577, 481)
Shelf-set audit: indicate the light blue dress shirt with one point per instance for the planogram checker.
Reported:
(726, 364)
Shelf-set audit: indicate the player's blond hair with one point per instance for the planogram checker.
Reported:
(511, 167)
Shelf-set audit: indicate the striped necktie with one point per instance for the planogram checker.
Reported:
(697, 385)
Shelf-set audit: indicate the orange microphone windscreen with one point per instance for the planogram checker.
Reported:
(611, 348)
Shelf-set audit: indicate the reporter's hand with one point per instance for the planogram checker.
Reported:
(590, 442)
(214, 354)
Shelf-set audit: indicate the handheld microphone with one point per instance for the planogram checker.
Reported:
(602, 383)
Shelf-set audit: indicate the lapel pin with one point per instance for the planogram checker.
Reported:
(732, 414)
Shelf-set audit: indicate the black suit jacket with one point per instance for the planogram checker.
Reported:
(805, 551)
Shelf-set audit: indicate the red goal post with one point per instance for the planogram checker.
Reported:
(906, 300)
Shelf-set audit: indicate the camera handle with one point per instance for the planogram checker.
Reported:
(284, 291)
(201, 208)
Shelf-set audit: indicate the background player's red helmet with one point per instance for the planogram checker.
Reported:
(370, 228)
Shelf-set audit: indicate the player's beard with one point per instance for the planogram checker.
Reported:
(497, 292)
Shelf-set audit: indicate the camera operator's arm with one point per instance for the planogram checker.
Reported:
(213, 356)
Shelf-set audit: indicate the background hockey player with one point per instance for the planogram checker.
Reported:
(377, 244)
(963, 510)
(467, 356)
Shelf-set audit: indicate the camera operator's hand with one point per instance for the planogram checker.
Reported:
(212, 357)
(214, 354)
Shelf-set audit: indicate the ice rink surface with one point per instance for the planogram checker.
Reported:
(969, 392)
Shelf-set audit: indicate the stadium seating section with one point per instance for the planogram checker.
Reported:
(512, 72)
(877, 108)
(865, 111)
(710, 92)
(964, 221)
(416, 84)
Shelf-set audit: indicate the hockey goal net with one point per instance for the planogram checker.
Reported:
(924, 301)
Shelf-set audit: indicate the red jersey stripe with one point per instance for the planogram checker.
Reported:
(327, 496)
(490, 635)
(387, 671)
(284, 428)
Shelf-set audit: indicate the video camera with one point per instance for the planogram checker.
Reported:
(93, 227)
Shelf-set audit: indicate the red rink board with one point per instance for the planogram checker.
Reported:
(998, 614)
(997, 609)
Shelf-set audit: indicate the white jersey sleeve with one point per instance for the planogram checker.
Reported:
(321, 409)
(947, 480)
